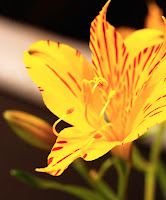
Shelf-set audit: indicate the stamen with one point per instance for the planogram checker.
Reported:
(69, 111)
(111, 95)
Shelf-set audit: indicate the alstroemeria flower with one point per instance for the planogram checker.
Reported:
(125, 84)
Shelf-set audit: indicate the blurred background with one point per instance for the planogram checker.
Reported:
(66, 21)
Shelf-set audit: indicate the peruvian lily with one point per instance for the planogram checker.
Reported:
(125, 84)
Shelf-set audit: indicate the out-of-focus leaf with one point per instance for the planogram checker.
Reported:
(81, 192)
(139, 161)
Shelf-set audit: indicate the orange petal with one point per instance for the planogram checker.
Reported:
(153, 19)
(59, 70)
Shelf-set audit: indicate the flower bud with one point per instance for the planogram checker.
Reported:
(31, 129)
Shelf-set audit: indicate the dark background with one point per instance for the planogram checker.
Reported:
(72, 18)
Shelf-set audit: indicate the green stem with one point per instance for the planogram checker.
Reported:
(123, 170)
(105, 166)
(97, 184)
(150, 176)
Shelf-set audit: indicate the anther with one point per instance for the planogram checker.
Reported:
(101, 82)
(69, 111)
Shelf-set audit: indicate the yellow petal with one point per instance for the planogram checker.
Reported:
(109, 54)
(140, 39)
(152, 112)
(73, 143)
(59, 70)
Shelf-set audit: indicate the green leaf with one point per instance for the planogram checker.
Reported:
(81, 192)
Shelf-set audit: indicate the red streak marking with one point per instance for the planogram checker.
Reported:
(133, 76)
(48, 42)
(148, 58)
(134, 62)
(74, 81)
(28, 67)
(50, 160)
(154, 67)
(61, 80)
(58, 44)
(105, 40)
(163, 56)
(94, 64)
(98, 43)
(93, 30)
(62, 142)
(57, 172)
(154, 110)
(57, 148)
(155, 113)
(84, 156)
(161, 97)
(76, 150)
(138, 134)
(147, 107)
(157, 48)
(145, 50)
(92, 35)
(41, 90)
(96, 19)
(141, 122)
(139, 57)
(64, 158)
(124, 63)
(94, 24)
(115, 43)
(124, 49)
(131, 103)
(137, 91)
(127, 80)
(137, 81)
(97, 57)
(107, 25)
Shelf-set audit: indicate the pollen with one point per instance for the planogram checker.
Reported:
(101, 82)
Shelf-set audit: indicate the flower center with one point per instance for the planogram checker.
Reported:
(90, 93)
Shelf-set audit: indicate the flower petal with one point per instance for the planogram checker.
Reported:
(59, 70)
(109, 53)
(73, 143)
(152, 112)
(142, 38)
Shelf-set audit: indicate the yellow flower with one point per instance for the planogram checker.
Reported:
(125, 85)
